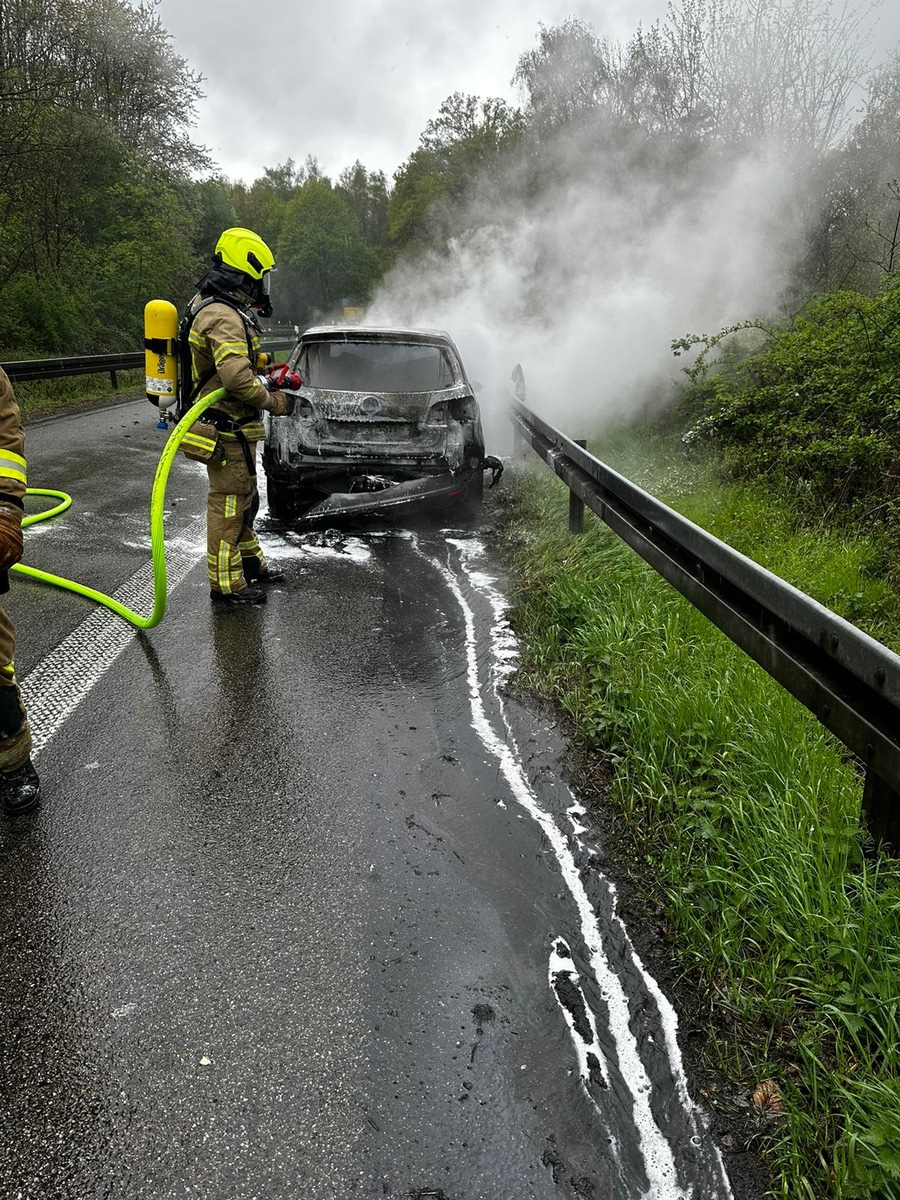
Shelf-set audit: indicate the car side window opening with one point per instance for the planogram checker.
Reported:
(376, 367)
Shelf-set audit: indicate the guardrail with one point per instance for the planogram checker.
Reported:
(850, 682)
(101, 364)
(85, 364)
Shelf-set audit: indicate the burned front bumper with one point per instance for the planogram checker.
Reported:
(447, 494)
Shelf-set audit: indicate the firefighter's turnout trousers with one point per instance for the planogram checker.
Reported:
(233, 553)
(15, 734)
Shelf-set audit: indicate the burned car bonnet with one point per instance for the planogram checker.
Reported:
(386, 421)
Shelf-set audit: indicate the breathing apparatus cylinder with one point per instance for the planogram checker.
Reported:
(161, 352)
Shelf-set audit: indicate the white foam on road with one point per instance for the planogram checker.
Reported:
(659, 1162)
(561, 963)
(295, 545)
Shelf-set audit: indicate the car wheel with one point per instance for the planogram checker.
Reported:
(474, 497)
(281, 499)
(466, 509)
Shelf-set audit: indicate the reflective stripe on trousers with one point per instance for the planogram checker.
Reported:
(231, 507)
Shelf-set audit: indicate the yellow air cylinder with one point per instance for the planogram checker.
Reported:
(160, 338)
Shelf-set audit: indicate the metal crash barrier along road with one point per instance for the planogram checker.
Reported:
(107, 364)
(850, 682)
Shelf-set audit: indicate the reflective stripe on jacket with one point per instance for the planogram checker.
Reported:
(12, 445)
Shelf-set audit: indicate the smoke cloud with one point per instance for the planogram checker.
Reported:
(587, 280)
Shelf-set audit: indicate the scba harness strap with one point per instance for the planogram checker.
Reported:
(226, 424)
(221, 421)
(187, 395)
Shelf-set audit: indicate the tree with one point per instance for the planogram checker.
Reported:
(215, 211)
(733, 71)
(284, 180)
(262, 206)
(870, 166)
(321, 254)
(469, 125)
(465, 147)
(103, 59)
(95, 164)
(565, 75)
(366, 195)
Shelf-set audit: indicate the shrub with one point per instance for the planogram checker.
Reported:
(816, 407)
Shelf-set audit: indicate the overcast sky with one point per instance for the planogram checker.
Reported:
(287, 78)
(360, 80)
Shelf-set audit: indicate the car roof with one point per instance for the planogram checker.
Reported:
(374, 333)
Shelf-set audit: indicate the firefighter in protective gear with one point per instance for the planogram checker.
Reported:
(224, 343)
(20, 788)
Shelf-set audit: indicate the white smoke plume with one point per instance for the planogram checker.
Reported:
(587, 283)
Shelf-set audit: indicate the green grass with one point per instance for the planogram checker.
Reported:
(747, 809)
(51, 397)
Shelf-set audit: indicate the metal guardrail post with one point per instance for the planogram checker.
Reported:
(519, 445)
(576, 504)
(881, 813)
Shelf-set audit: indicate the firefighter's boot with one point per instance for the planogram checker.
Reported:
(256, 574)
(20, 789)
(248, 595)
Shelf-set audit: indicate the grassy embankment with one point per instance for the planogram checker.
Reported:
(744, 806)
(52, 397)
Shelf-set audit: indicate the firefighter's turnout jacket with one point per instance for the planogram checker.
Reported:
(224, 341)
(15, 735)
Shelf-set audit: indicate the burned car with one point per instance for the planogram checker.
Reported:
(385, 423)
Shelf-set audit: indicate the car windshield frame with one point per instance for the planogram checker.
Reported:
(388, 365)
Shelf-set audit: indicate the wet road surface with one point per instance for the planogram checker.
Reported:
(308, 911)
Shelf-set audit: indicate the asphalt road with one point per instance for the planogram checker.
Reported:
(308, 910)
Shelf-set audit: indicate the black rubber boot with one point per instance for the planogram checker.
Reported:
(248, 595)
(268, 574)
(20, 789)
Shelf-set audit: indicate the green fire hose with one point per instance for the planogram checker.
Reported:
(157, 533)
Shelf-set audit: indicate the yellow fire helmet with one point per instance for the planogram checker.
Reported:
(245, 251)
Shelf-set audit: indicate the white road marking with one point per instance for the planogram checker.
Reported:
(59, 683)
(66, 676)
